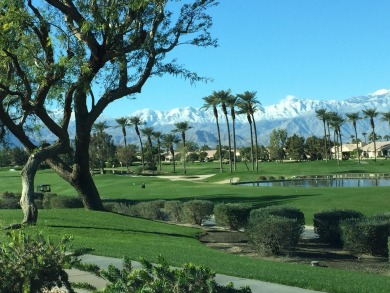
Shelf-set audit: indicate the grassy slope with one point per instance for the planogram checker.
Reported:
(116, 236)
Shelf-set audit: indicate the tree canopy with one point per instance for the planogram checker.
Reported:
(80, 56)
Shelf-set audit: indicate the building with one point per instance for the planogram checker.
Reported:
(382, 149)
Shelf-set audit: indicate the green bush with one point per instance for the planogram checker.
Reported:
(34, 264)
(327, 224)
(65, 202)
(280, 211)
(271, 234)
(161, 277)
(174, 210)
(148, 209)
(366, 235)
(38, 195)
(9, 203)
(46, 202)
(8, 195)
(195, 211)
(233, 216)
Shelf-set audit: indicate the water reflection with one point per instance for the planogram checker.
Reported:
(330, 182)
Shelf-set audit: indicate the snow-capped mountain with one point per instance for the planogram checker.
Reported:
(296, 115)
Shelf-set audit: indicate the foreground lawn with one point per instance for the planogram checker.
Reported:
(115, 235)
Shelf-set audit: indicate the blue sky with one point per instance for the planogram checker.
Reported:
(311, 49)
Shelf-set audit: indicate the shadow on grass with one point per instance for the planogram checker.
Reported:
(121, 230)
(255, 202)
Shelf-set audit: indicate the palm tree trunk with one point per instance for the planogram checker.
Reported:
(357, 143)
(251, 130)
(341, 145)
(219, 146)
(256, 144)
(325, 139)
(230, 144)
(142, 151)
(234, 145)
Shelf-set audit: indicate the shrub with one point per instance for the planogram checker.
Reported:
(38, 195)
(233, 216)
(34, 264)
(174, 210)
(46, 202)
(117, 207)
(262, 178)
(9, 203)
(327, 224)
(65, 202)
(195, 211)
(161, 277)
(280, 211)
(148, 210)
(270, 234)
(366, 235)
(8, 195)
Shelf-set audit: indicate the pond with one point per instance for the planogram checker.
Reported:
(322, 182)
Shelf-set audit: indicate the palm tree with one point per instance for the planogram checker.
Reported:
(243, 109)
(148, 132)
(212, 102)
(322, 115)
(99, 128)
(158, 135)
(354, 117)
(250, 99)
(182, 127)
(122, 123)
(223, 97)
(364, 135)
(386, 117)
(136, 121)
(232, 103)
(169, 140)
(371, 113)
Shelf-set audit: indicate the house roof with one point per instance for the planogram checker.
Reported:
(380, 145)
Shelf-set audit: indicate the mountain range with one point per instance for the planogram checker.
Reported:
(296, 115)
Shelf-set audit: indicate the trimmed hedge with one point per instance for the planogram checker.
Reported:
(327, 224)
(233, 216)
(152, 210)
(195, 211)
(280, 211)
(9, 203)
(367, 235)
(174, 210)
(271, 234)
(65, 202)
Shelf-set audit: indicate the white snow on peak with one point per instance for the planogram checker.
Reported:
(380, 92)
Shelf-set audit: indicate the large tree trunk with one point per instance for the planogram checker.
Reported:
(27, 203)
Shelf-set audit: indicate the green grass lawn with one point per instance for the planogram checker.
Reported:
(116, 235)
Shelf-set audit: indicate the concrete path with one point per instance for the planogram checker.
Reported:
(103, 262)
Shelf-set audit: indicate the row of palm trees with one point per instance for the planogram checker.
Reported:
(334, 120)
(163, 140)
(245, 103)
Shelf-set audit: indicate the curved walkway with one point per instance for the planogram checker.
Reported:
(103, 262)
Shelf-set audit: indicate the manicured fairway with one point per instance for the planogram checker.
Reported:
(116, 236)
